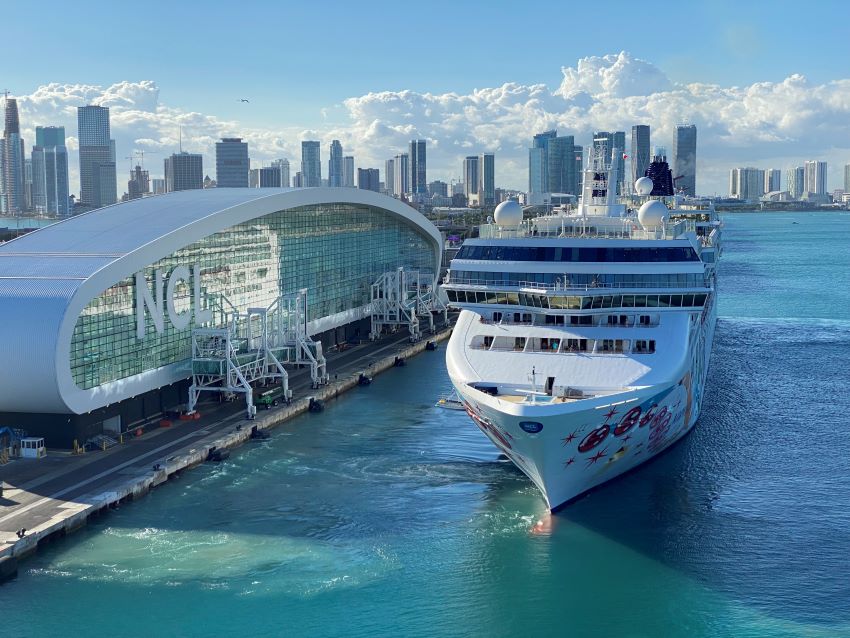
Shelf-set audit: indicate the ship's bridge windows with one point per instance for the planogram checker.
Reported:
(577, 253)
(556, 302)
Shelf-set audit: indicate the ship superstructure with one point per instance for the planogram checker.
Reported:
(584, 341)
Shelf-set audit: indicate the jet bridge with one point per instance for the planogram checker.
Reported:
(252, 350)
(401, 298)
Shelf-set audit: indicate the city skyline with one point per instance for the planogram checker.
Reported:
(777, 108)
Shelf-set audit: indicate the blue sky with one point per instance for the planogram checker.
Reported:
(298, 62)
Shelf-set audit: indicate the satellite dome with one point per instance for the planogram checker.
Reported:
(652, 214)
(643, 186)
(508, 214)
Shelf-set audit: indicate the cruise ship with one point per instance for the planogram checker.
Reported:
(584, 339)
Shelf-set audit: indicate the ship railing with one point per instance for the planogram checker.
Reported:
(591, 228)
(535, 285)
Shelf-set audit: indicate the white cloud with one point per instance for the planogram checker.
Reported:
(762, 124)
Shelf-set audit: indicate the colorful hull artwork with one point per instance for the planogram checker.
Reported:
(571, 452)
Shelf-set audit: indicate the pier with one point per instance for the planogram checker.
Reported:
(43, 500)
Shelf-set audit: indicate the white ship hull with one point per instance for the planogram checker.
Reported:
(582, 444)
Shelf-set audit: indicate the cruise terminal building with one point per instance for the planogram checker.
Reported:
(97, 311)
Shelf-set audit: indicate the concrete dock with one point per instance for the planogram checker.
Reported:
(56, 495)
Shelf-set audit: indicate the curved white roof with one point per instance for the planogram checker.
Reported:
(47, 278)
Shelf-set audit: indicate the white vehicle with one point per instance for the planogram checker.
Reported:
(584, 342)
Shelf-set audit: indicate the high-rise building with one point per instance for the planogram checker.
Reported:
(418, 185)
(12, 175)
(50, 191)
(282, 165)
(795, 181)
(613, 143)
(184, 171)
(815, 177)
(640, 151)
(139, 183)
(538, 162)
(298, 180)
(270, 177)
(487, 179)
(369, 179)
(98, 181)
(348, 171)
(685, 159)
(847, 178)
(389, 177)
(471, 177)
(311, 164)
(438, 188)
(401, 165)
(231, 163)
(158, 186)
(335, 174)
(746, 183)
(772, 180)
(561, 165)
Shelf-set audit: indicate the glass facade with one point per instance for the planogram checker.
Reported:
(336, 251)
(584, 302)
(575, 253)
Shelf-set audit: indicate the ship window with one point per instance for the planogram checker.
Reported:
(644, 320)
(652, 301)
(451, 295)
(687, 300)
(519, 343)
(488, 341)
(663, 301)
(699, 300)
(628, 301)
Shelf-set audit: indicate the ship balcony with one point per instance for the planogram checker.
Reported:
(555, 345)
(542, 393)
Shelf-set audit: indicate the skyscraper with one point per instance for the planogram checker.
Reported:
(487, 179)
(418, 185)
(270, 177)
(795, 181)
(815, 177)
(98, 181)
(50, 190)
(282, 165)
(139, 183)
(231, 163)
(369, 179)
(746, 183)
(640, 151)
(613, 142)
(311, 164)
(471, 177)
(401, 165)
(685, 159)
(389, 177)
(562, 165)
(772, 180)
(184, 171)
(538, 162)
(13, 198)
(335, 175)
(847, 178)
(348, 171)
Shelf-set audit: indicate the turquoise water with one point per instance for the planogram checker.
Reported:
(385, 516)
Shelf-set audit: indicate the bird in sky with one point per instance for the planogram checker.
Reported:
(243, 100)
